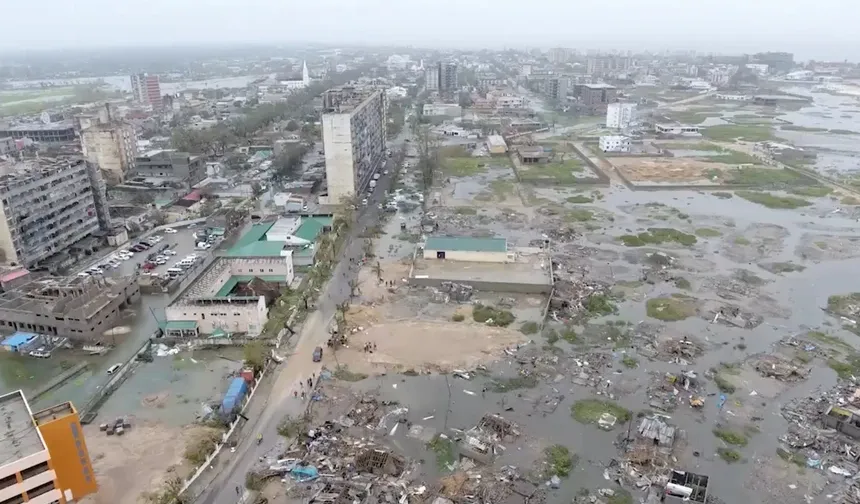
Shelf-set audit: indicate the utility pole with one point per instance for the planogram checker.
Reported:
(448, 407)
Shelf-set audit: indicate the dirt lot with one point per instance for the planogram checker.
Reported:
(425, 345)
(678, 170)
(137, 462)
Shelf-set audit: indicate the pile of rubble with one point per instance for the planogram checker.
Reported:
(666, 391)
(730, 315)
(570, 297)
(683, 350)
(774, 366)
(452, 291)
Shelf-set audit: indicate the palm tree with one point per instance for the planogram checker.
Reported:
(368, 248)
(377, 269)
(354, 287)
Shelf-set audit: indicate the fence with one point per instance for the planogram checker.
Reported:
(57, 381)
(95, 402)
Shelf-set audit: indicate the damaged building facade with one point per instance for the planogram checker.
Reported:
(48, 205)
(79, 308)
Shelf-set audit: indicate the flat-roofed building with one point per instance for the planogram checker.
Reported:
(43, 455)
(59, 132)
(464, 248)
(614, 143)
(496, 144)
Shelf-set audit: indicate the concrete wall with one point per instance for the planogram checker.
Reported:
(490, 286)
(112, 149)
(339, 169)
(470, 256)
(231, 317)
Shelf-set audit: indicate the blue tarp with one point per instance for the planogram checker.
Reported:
(234, 396)
(18, 339)
(305, 473)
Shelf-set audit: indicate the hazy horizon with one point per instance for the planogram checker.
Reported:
(708, 26)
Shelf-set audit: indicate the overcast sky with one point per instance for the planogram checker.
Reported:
(823, 29)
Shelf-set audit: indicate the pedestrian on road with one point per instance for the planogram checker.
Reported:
(295, 393)
(237, 489)
(303, 395)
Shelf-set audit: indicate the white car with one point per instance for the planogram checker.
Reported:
(170, 252)
(83, 274)
(385, 172)
(170, 231)
(97, 271)
(125, 253)
(364, 202)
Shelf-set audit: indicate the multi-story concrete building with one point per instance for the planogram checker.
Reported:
(353, 128)
(601, 65)
(595, 97)
(170, 166)
(614, 143)
(43, 455)
(431, 78)
(111, 146)
(448, 82)
(58, 132)
(7, 146)
(47, 205)
(620, 115)
(779, 61)
(78, 308)
(146, 89)
(555, 88)
(559, 55)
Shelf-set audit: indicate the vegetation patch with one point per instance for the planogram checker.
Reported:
(458, 317)
(783, 267)
(731, 437)
(772, 201)
(729, 455)
(445, 450)
(830, 340)
(795, 127)
(670, 309)
(529, 328)
(847, 368)
(578, 215)
(722, 194)
(502, 385)
(589, 411)
(463, 166)
(658, 236)
(746, 132)
(343, 373)
(740, 240)
(466, 211)
(621, 496)
(758, 176)
(559, 461)
(570, 336)
(682, 283)
(202, 446)
(812, 191)
(492, 316)
(600, 305)
(562, 172)
(847, 305)
(579, 199)
(850, 200)
(708, 233)
(724, 384)
(731, 157)
(629, 361)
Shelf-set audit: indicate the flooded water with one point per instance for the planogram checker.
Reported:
(123, 83)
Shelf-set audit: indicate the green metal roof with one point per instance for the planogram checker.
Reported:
(311, 227)
(235, 280)
(255, 234)
(466, 244)
(257, 249)
(179, 325)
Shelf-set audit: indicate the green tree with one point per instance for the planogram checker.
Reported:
(255, 354)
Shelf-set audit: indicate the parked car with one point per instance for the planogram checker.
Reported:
(318, 352)
(170, 231)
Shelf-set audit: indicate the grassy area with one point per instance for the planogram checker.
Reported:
(561, 172)
(786, 267)
(773, 201)
(466, 211)
(445, 450)
(670, 309)
(343, 373)
(729, 455)
(600, 305)
(683, 283)
(829, 340)
(629, 361)
(501, 188)
(850, 200)
(579, 199)
(723, 384)
(812, 191)
(458, 317)
(708, 233)
(559, 461)
(844, 304)
(463, 166)
(529, 327)
(837, 131)
(691, 116)
(795, 127)
(847, 367)
(658, 236)
(698, 146)
(589, 411)
(731, 437)
(740, 240)
(732, 158)
(755, 176)
(621, 496)
(502, 385)
(732, 132)
(492, 316)
(722, 194)
(578, 215)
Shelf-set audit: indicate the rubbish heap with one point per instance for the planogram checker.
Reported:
(774, 366)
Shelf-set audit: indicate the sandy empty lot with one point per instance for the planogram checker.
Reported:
(679, 170)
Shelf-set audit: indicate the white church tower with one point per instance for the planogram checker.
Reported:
(306, 76)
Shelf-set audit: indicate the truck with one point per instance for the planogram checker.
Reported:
(372, 184)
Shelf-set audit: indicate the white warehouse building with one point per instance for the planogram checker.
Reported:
(353, 130)
(620, 115)
(614, 143)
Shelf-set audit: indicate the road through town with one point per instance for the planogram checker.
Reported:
(299, 366)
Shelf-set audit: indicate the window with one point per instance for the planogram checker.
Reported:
(8, 481)
(41, 489)
(36, 469)
(18, 499)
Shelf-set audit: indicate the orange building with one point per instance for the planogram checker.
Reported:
(43, 456)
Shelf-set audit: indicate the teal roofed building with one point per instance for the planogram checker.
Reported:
(293, 236)
(466, 248)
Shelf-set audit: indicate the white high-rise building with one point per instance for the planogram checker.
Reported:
(353, 128)
(431, 78)
(620, 115)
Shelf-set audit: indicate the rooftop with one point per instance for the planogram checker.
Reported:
(70, 296)
(465, 243)
(62, 125)
(179, 325)
(235, 280)
(496, 141)
(599, 85)
(18, 435)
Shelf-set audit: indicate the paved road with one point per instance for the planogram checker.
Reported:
(299, 367)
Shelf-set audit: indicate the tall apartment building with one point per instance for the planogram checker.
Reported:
(606, 64)
(170, 165)
(110, 145)
(43, 455)
(431, 78)
(46, 205)
(353, 127)
(559, 55)
(595, 97)
(448, 82)
(146, 89)
(555, 88)
(620, 115)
